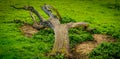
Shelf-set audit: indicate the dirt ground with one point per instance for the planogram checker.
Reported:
(83, 49)
(28, 30)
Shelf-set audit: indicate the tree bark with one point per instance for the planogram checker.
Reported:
(61, 44)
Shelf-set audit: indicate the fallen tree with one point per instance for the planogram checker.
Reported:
(61, 43)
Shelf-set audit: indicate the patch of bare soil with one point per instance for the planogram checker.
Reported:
(83, 49)
(28, 30)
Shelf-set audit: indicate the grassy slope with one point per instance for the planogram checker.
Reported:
(14, 45)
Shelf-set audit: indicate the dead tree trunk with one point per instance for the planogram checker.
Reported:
(61, 44)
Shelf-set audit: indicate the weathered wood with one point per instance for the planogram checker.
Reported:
(77, 24)
(61, 44)
(48, 10)
(30, 8)
(35, 23)
(33, 18)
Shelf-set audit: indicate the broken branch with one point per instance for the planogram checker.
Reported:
(77, 24)
(48, 10)
(30, 8)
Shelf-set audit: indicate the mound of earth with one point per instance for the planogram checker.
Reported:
(28, 30)
(83, 49)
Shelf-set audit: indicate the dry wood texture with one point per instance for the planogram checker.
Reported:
(61, 44)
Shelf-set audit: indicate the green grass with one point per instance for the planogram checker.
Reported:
(14, 45)
(106, 51)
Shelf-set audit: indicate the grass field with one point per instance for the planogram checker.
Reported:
(102, 15)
